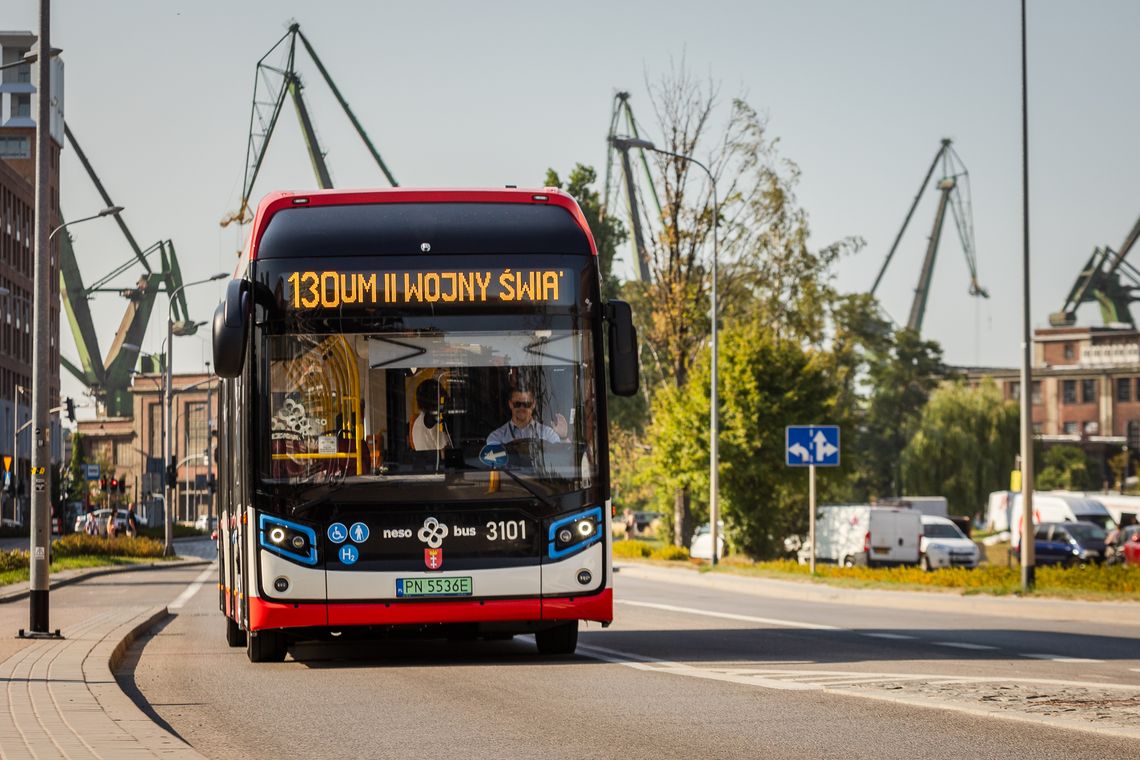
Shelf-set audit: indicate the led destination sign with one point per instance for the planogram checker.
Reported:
(332, 289)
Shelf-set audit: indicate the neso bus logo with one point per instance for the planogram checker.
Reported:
(432, 533)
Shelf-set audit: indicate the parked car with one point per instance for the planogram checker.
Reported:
(101, 516)
(205, 524)
(1130, 544)
(943, 544)
(701, 545)
(1069, 543)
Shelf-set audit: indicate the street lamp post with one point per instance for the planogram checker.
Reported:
(168, 399)
(714, 410)
(40, 529)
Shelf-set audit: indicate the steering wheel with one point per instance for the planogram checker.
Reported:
(522, 452)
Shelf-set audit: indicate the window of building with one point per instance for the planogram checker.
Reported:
(196, 428)
(1068, 391)
(1069, 352)
(1088, 391)
(1036, 392)
(1123, 389)
(15, 147)
(1038, 429)
(1092, 427)
(1069, 428)
(1014, 390)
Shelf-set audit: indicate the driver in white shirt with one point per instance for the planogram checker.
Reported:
(522, 423)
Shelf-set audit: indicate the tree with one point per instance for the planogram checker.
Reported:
(608, 231)
(768, 382)
(964, 445)
(766, 269)
(901, 374)
(1066, 468)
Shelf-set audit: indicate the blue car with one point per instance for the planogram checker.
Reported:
(1069, 543)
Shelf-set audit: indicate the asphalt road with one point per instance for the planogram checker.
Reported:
(684, 672)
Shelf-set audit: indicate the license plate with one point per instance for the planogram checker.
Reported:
(453, 586)
(882, 550)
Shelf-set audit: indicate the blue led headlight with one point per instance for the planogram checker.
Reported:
(287, 539)
(572, 534)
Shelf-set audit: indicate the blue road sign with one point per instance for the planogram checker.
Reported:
(494, 455)
(337, 533)
(92, 471)
(359, 532)
(348, 554)
(811, 444)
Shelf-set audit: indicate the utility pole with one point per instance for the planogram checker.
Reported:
(40, 530)
(209, 448)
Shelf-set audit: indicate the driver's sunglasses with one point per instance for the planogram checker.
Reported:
(522, 404)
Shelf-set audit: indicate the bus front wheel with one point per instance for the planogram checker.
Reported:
(235, 636)
(265, 646)
(561, 639)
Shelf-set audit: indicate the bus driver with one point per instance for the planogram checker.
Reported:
(522, 423)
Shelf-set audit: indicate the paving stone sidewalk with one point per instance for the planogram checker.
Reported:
(59, 696)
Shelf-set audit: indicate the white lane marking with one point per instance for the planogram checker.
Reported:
(1058, 658)
(963, 645)
(792, 679)
(1135, 670)
(732, 616)
(193, 588)
(891, 636)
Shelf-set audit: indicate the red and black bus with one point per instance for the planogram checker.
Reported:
(413, 419)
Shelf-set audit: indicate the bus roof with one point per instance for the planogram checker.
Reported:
(274, 202)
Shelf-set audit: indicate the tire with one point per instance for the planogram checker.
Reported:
(265, 646)
(848, 561)
(561, 639)
(235, 636)
(926, 564)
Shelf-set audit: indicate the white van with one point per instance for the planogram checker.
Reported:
(860, 534)
(997, 510)
(1125, 510)
(1057, 507)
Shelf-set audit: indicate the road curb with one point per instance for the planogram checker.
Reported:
(21, 591)
(99, 674)
(1056, 610)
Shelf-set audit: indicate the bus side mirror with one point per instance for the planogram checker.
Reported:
(624, 378)
(231, 321)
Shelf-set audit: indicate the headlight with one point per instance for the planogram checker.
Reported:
(288, 539)
(574, 533)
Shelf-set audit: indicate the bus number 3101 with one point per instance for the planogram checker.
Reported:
(506, 530)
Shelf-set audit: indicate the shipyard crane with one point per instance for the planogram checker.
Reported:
(954, 190)
(1101, 281)
(635, 200)
(270, 88)
(109, 378)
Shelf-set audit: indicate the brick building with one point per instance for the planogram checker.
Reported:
(1086, 387)
(130, 448)
(17, 247)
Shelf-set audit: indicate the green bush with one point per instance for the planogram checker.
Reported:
(13, 560)
(81, 544)
(670, 552)
(632, 549)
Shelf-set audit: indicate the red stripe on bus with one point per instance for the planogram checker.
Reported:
(426, 613)
(263, 614)
(599, 607)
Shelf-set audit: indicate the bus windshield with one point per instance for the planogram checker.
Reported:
(463, 408)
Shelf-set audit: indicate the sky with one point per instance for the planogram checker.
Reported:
(486, 94)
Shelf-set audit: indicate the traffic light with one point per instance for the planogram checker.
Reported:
(171, 475)
(114, 485)
(102, 484)
(70, 404)
(123, 485)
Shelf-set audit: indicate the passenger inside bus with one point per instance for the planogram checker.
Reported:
(428, 430)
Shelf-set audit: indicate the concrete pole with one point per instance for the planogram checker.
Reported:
(167, 438)
(1028, 560)
(40, 531)
(209, 446)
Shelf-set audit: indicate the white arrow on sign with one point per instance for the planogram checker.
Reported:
(823, 449)
(797, 450)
